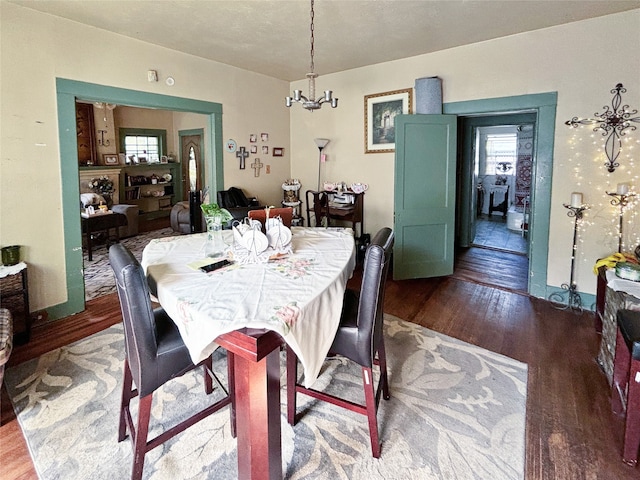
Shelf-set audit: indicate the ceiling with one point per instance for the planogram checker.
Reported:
(272, 37)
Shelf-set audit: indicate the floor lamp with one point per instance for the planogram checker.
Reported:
(321, 143)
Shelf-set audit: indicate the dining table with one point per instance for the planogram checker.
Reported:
(250, 307)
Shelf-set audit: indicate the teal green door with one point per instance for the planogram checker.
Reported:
(424, 195)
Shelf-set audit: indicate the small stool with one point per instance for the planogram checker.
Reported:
(6, 339)
(625, 387)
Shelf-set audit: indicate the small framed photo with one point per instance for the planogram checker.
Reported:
(111, 159)
(122, 158)
(278, 151)
(164, 159)
(265, 150)
(380, 111)
(264, 137)
(253, 138)
(254, 149)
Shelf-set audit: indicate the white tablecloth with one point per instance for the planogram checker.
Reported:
(299, 297)
(621, 285)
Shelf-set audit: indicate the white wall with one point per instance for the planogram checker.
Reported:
(575, 60)
(35, 49)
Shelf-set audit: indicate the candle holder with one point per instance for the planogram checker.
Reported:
(570, 290)
(620, 200)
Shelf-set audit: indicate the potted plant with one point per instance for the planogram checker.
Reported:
(215, 218)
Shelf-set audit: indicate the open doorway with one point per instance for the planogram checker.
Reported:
(497, 154)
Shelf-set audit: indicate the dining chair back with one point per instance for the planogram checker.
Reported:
(154, 354)
(285, 214)
(359, 338)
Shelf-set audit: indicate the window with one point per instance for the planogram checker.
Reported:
(146, 143)
(500, 150)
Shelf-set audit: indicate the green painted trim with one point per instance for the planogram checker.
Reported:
(216, 174)
(134, 98)
(544, 104)
(66, 93)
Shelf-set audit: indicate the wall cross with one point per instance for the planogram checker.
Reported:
(256, 165)
(242, 154)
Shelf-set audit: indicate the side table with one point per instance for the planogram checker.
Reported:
(14, 296)
(101, 222)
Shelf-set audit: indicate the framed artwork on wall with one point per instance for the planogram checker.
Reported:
(380, 110)
(278, 151)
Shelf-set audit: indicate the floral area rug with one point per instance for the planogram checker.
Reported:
(456, 411)
(98, 276)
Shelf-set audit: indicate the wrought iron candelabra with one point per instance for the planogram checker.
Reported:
(570, 290)
(620, 200)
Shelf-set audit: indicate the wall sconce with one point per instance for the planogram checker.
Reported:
(613, 122)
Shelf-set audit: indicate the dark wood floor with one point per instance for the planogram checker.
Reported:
(570, 431)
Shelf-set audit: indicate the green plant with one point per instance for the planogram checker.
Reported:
(213, 210)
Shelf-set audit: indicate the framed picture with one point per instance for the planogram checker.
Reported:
(265, 150)
(278, 151)
(380, 111)
(253, 138)
(264, 137)
(254, 149)
(164, 159)
(111, 159)
(123, 159)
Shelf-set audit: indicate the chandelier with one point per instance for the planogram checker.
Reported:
(311, 103)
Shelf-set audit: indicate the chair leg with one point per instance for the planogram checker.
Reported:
(632, 423)
(370, 398)
(127, 394)
(231, 385)
(207, 366)
(292, 378)
(384, 378)
(621, 365)
(140, 443)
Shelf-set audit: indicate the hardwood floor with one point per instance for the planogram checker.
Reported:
(570, 431)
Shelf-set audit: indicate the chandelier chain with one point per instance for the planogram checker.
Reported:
(312, 38)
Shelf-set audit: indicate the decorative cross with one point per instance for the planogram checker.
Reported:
(242, 154)
(256, 165)
(614, 123)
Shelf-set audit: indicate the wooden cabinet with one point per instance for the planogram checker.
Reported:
(153, 199)
(326, 205)
(86, 134)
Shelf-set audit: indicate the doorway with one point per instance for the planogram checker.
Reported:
(497, 155)
(191, 154)
(66, 93)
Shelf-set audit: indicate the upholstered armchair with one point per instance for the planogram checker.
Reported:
(237, 202)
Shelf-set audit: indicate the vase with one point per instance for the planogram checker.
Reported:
(215, 246)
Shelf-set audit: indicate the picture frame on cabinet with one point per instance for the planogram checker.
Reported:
(164, 159)
(110, 159)
(122, 158)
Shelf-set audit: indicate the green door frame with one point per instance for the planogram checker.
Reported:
(66, 92)
(544, 104)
